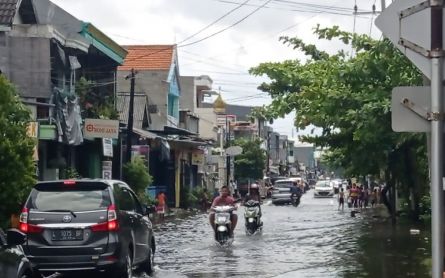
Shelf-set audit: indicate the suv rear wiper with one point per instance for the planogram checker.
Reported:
(63, 210)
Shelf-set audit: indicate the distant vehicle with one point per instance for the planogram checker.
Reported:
(336, 183)
(87, 225)
(323, 188)
(281, 193)
(13, 262)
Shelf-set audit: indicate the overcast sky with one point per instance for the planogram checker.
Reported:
(227, 56)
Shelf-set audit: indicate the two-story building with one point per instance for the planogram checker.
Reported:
(45, 52)
(173, 148)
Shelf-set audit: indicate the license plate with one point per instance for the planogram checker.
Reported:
(71, 234)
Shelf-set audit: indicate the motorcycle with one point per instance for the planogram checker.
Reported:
(223, 223)
(252, 217)
(295, 199)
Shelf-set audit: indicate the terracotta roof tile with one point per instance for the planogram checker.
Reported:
(148, 57)
(7, 11)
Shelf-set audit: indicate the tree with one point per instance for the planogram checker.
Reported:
(17, 169)
(349, 99)
(94, 103)
(250, 164)
(137, 176)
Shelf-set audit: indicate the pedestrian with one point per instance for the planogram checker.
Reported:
(341, 199)
(374, 197)
(354, 195)
(365, 197)
(161, 206)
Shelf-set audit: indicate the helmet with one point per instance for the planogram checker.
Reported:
(254, 186)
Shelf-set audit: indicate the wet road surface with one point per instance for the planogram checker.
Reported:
(312, 240)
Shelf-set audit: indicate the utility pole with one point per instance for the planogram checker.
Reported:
(437, 108)
(227, 156)
(130, 114)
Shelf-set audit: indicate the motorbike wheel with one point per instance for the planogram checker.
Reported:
(222, 237)
(251, 228)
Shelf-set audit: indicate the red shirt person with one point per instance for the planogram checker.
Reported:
(223, 200)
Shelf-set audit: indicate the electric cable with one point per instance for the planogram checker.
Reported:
(214, 22)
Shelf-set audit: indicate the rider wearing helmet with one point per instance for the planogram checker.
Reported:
(254, 195)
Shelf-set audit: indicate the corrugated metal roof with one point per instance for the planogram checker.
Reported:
(140, 106)
(148, 57)
(7, 11)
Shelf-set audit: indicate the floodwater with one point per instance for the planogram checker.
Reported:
(312, 240)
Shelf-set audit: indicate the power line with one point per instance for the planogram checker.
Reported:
(228, 27)
(215, 21)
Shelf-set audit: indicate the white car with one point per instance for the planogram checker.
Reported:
(323, 188)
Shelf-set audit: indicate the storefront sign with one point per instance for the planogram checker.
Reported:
(197, 158)
(97, 128)
(33, 132)
(107, 167)
(33, 129)
(107, 146)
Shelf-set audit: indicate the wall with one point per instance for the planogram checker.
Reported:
(305, 155)
(26, 62)
(207, 123)
(153, 84)
(187, 99)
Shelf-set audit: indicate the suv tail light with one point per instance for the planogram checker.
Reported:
(111, 224)
(24, 226)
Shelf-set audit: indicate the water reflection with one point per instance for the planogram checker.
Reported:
(313, 240)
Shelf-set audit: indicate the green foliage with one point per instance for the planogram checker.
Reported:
(251, 163)
(16, 149)
(94, 103)
(137, 176)
(193, 198)
(71, 173)
(348, 97)
(425, 208)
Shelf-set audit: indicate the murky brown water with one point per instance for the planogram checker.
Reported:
(312, 240)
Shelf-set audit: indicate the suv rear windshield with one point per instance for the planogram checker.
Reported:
(286, 184)
(73, 197)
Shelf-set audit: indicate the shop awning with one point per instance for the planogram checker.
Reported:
(170, 130)
(145, 133)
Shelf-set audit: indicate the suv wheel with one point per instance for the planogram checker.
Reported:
(148, 265)
(126, 269)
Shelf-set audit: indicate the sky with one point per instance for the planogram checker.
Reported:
(245, 36)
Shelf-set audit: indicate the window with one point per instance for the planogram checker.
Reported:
(73, 199)
(124, 199)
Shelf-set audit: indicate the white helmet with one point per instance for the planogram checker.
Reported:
(254, 186)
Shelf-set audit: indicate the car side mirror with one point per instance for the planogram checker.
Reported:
(15, 237)
(148, 209)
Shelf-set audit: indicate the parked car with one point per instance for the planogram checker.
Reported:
(323, 188)
(87, 225)
(281, 191)
(13, 262)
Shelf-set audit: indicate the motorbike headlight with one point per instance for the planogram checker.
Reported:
(221, 219)
(250, 219)
(222, 228)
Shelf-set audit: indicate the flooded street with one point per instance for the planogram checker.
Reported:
(312, 240)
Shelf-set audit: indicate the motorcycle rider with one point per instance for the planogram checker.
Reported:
(296, 190)
(224, 199)
(254, 195)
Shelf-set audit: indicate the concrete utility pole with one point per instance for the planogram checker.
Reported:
(130, 114)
